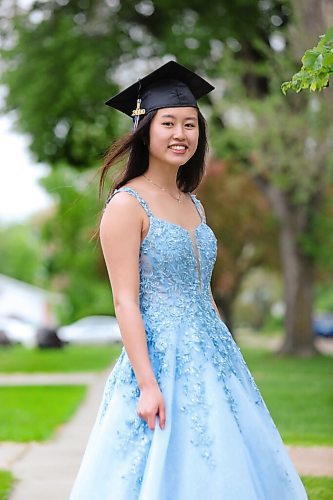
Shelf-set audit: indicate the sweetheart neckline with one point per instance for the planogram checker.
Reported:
(172, 224)
(178, 225)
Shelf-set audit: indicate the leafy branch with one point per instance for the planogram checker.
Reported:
(317, 67)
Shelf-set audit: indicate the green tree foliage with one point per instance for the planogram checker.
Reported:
(62, 59)
(74, 261)
(316, 69)
(21, 256)
(57, 80)
(280, 142)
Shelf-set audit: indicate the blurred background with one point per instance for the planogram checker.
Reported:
(268, 185)
(267, 191)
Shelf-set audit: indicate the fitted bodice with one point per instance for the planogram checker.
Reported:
(175, 263)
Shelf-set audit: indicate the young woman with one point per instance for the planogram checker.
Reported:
(181, 417)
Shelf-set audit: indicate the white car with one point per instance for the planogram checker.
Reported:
(19, 330)
(91, 330)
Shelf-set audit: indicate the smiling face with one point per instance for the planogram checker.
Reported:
(173, 136)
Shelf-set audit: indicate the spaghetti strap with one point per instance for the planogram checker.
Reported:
(199, 206)
(132, 191)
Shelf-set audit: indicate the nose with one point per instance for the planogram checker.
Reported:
(179, 132)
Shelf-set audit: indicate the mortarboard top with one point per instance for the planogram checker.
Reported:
(169, 86)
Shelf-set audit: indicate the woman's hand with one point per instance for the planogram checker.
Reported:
(151, 403)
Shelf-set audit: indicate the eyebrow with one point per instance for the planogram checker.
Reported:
(173, 116)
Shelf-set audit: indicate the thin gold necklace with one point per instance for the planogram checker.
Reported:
(163, 189)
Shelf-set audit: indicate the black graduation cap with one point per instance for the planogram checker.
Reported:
(169, 86)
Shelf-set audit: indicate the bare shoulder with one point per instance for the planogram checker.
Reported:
(122, 214)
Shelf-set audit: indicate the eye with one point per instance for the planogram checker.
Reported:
(190, 125)
(167, 123)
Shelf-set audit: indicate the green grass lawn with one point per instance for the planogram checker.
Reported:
(34, 412)
(6, 484)
(69, 359)
(298, 394)
(318, 488)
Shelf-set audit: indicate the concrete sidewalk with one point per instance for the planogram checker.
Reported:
(312, 460)
(47, 470)
(77, 378)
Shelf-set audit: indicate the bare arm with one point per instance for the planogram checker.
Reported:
(120, 234)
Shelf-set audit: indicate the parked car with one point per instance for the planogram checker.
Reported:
(91, 330)
(323, 324)
(47, 338)
(4, 340)
(19, 330)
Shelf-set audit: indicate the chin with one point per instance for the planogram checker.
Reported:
(179, 161)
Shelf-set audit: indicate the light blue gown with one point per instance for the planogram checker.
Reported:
(219, 442)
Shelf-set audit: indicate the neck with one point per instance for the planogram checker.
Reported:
(164, 175)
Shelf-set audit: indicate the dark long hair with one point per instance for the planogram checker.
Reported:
(134, 147)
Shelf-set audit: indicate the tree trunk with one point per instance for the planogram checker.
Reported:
(298, 272)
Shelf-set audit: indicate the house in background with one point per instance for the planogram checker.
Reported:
(28, 302)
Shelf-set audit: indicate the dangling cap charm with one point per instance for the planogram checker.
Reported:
(138, 111)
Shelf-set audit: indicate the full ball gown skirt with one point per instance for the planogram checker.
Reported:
(219, 442)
